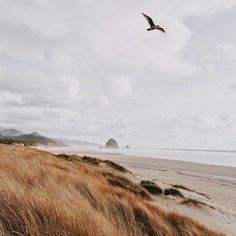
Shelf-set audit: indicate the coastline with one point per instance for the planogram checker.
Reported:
(208, 157)
(216, 183)
(217, 170)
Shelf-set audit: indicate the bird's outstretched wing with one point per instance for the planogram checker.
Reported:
(161, 29)
(149, 19)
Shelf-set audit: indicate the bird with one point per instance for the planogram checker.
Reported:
(152, 25)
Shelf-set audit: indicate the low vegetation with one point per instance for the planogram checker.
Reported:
(94, 161)
(124, 183)
(190, 190)
(45, 195)
(116, 166)
(151, 187)
(181, 187)
(173, 192)
(91, 160)
(195, 203)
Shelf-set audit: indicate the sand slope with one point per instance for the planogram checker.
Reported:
(212, 185)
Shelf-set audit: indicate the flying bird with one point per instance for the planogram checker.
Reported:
(152, 25)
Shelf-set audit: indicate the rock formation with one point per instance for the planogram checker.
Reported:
(111, 143)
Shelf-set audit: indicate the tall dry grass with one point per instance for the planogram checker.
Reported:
(42, 195)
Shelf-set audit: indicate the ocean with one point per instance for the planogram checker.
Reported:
(212, 157)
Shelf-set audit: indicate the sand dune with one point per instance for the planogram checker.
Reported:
(214, 186)
(47, 194)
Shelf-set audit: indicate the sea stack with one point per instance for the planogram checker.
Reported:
(111, 143)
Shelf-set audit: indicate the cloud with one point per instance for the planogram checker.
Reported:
(8, 98)
(232, 87)
(227, 52)
(90, 69)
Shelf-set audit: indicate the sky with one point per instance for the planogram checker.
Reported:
(89, 70)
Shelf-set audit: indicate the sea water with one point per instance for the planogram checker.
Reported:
(213, 157)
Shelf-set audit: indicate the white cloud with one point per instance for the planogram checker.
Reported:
(118, 88)
(88, 68)
(8, 98)
(227, 52)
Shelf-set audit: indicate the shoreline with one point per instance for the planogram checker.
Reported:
(169, 159)
(224, 159)
(211, 169)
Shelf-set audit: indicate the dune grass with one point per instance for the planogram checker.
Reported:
(190, 190)
(173, 192)
(45, 195)
(116, 166)
(122, 182)
(151, 187)
(94, 161)
(195, 203)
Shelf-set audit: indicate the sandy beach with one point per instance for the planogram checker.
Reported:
(213, 186)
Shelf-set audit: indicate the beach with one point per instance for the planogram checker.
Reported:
(214, 186)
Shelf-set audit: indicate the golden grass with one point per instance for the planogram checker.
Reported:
(42, 195)
(94, 161)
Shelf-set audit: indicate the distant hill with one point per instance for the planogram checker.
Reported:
(10, 136)
(78, 143)
(36, 134)
(10, 132)
(33, 139)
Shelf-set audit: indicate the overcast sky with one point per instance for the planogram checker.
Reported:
(89, 70)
